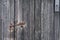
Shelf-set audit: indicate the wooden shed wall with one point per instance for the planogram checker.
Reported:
(41, 21)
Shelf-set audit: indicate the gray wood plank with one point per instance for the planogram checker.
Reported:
(11, 35)
(6, 19)
(1, 19)
(56, 26)
(37, 20)
(47, 17)
(32, 33)
(26, 18)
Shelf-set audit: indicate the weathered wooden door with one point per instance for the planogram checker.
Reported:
(38, 16)
(28, 11)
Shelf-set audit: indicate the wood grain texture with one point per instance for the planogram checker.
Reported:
(37, 19)
(26, 18)
(1, 19)
(32, 32)
(41, 21)
(47, 20)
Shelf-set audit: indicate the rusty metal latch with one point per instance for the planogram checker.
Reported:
(21, 24)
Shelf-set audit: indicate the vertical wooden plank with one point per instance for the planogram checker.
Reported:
(59, 19)
(6, 19)
(26, 18)
(32, 33)
(42, 18)
(37, 19)
(59, 25)
(11, 10)
(11, 18)
(47, 20)
(18, 18)
(2, 22)
(56, 26)
(52, 18)
(1, 19)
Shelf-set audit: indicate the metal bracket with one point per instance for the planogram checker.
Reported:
(21, 24)
(56, 5)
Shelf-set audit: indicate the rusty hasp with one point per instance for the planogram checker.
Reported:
(21, 24)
